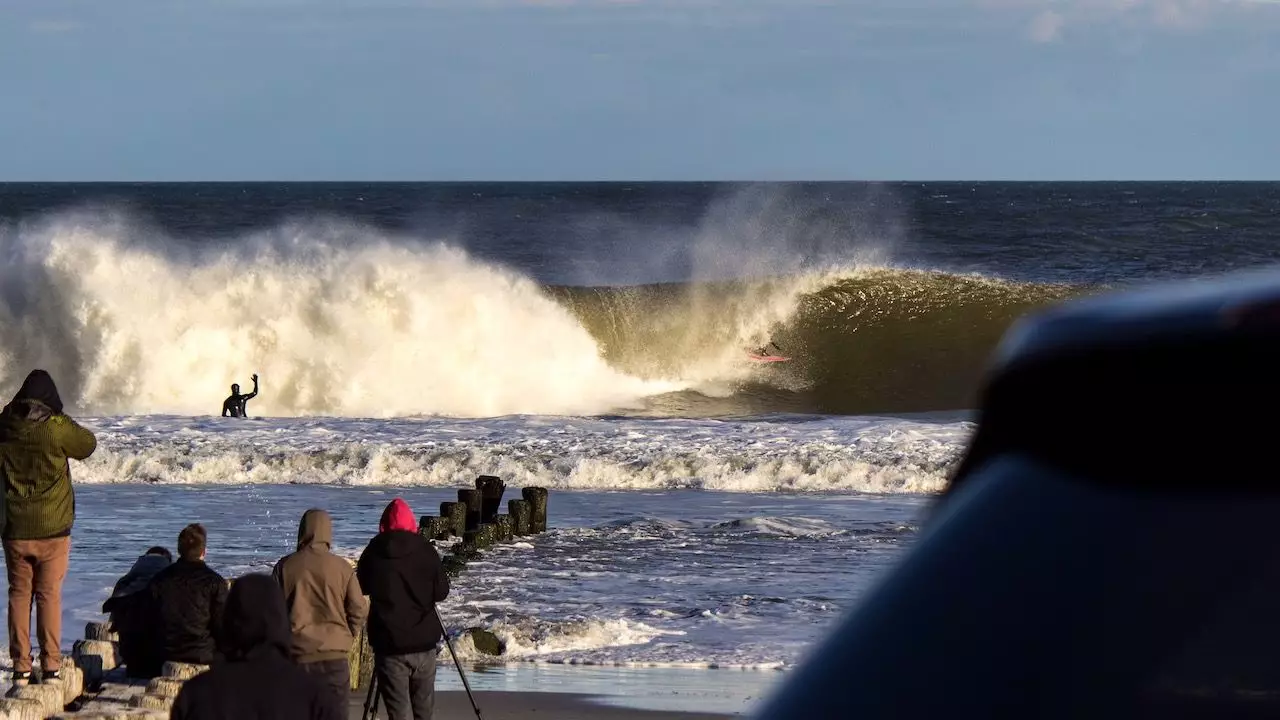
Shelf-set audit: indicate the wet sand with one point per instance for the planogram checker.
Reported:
(497, 705)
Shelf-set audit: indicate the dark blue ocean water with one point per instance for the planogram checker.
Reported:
(610, 233)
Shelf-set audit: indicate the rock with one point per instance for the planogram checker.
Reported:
(485, 641)
(115, 714)
(49, 697)
(22, 709)
(182, 671)
(100, 631)
(96, 658)
(168, 687)
(453, 565)
(151, 702)
(72, 680)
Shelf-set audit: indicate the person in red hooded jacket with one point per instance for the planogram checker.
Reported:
(401, 573)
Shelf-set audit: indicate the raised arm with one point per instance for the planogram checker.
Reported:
(255, 388)
(77, 442)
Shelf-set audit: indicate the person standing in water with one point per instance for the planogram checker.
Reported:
(234, 406)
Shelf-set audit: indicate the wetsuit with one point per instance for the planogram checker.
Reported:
(234, 405)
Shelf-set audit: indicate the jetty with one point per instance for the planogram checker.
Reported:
(94, 684)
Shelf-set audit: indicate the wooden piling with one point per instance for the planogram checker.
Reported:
(470, 498)
(537, 499)
(502, 524)
(434, 528)
(520, 517)
(491, 488)
(457, 514)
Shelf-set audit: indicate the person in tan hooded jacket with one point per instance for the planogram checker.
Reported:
(326, 607)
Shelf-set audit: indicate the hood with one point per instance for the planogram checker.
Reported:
(39, 386)
(315, 528)
(25, 411)
(397, 516)
(144, 568)
(137, 579)
(255, 618)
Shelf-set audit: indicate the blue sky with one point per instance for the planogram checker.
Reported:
(639, 89)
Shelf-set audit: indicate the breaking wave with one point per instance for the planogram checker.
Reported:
(342, 320)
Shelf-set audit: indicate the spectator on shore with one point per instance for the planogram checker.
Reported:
(401, 573)
(133, 616)
(189, 597)
(36, 442)
(258, 680)
(326, 607)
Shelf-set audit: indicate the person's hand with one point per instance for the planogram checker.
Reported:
(255, 377)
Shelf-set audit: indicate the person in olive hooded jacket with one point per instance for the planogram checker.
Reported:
(36, 441)
(326, 607)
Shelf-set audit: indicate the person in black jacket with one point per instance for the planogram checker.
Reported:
(188, 597)
(258, 680)
(401, 573)
(132, 614)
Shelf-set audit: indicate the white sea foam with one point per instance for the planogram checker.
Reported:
(337, 319)
(780, 454)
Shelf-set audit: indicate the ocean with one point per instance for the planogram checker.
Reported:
(708, 512)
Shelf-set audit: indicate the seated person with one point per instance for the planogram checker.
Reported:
(189, 597)
(131, 614)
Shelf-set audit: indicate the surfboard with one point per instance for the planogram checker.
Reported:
(767, 358)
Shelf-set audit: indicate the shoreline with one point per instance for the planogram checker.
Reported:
(525, 705)
(714, 692)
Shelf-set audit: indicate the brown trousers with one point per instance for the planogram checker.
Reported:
(36, 567)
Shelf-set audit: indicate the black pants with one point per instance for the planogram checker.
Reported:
(337, 675)
(407, 684)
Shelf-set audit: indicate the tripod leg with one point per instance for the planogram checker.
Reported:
(371, 699)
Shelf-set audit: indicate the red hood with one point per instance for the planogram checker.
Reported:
(397, 516)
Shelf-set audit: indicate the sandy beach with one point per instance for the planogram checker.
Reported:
(494, 705)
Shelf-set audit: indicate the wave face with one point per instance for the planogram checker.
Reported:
(873, 340)
(343, 320)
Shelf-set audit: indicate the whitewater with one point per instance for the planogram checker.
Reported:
(337, 318)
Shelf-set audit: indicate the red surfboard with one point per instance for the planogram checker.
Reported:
(767, 358)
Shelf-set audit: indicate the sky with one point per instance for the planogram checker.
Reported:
(176, 90)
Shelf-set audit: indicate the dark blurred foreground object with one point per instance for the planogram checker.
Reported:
(1109, 546)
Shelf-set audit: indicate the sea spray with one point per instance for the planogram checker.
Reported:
(340, 323)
